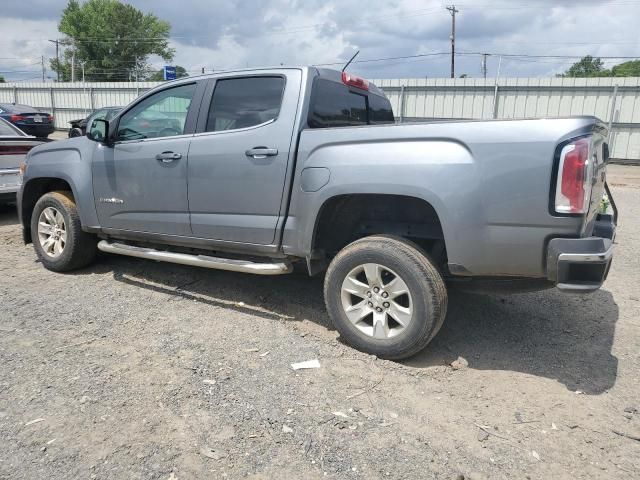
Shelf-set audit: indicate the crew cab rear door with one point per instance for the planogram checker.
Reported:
(238, 159)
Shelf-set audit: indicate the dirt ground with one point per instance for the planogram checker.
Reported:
(133, 369)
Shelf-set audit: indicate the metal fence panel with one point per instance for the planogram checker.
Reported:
(69, 101)
(615, 100)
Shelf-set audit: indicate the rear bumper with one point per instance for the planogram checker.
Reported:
(582, 264)
(9, 184)
(37, 130)
(7, 197)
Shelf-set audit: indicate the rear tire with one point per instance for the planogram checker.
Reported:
(57, 234)
(395, 313)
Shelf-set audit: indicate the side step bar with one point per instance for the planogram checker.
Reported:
(205, 261)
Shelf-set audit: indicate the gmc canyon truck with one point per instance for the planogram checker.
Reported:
(259, 170)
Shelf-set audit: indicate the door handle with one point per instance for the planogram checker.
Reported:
(261, 152)
(168, 157)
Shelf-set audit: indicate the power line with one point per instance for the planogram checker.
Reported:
(421, 55)
(525, 55)
(510, 6)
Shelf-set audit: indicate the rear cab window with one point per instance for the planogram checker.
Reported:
(334, 104)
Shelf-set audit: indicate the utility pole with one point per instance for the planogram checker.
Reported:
(453, 10)
(42, 62)
(57, 42)
(484, 65)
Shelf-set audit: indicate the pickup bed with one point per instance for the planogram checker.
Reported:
(259, 170)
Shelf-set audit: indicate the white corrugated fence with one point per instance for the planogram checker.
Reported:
(614, 100)
(70, 101)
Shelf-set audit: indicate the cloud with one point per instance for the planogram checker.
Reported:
(217, 34)
(22, 44)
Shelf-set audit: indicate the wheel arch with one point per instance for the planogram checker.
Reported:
(32, 190)
(344, 218)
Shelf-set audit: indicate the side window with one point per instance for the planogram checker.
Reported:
(100, 114)
(112, 113)
(244, 102)
(334, 105)
(160, 115)
(7, 130)
(380, 110)
(94, 115)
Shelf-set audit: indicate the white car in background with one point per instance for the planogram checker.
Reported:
(14, 146)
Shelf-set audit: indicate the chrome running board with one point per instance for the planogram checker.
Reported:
(205, 261)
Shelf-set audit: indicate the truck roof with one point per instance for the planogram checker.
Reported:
(329, 73)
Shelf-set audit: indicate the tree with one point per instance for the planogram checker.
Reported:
(111, 39)
(158, 76)
(587, 67)
(594, 67)
(627, 69)
(1, 79)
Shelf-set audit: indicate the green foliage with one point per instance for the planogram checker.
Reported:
(594, 67)
(1, 79)
(627, 69)
(587, 67)
(604, 203)
(112, 39)
(158, 76)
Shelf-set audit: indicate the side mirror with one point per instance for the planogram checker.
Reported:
(99, 131)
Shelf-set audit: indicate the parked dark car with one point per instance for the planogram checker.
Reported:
(28, 119)
(14, 146)
(79, 127)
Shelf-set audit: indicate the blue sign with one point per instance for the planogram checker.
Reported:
(169, 72)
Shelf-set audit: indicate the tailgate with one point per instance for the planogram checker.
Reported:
(14, 150)
(600, 157)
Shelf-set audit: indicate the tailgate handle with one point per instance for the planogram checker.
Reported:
(261, 152)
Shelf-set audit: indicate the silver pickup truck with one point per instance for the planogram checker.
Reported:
(257, 170)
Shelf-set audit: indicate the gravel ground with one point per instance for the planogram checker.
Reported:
(133, 369)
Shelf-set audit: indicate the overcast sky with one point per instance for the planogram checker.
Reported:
(224, 34)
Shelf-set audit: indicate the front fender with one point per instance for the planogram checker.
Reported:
(68, 160)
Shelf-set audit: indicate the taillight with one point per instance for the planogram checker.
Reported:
(354, 81)
(16, 118)
(15, 149)
(574, 177)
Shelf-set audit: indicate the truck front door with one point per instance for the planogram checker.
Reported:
(238, 159)
(140, 183)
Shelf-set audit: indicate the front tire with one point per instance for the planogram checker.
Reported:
(385, 296)
(57, 234)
